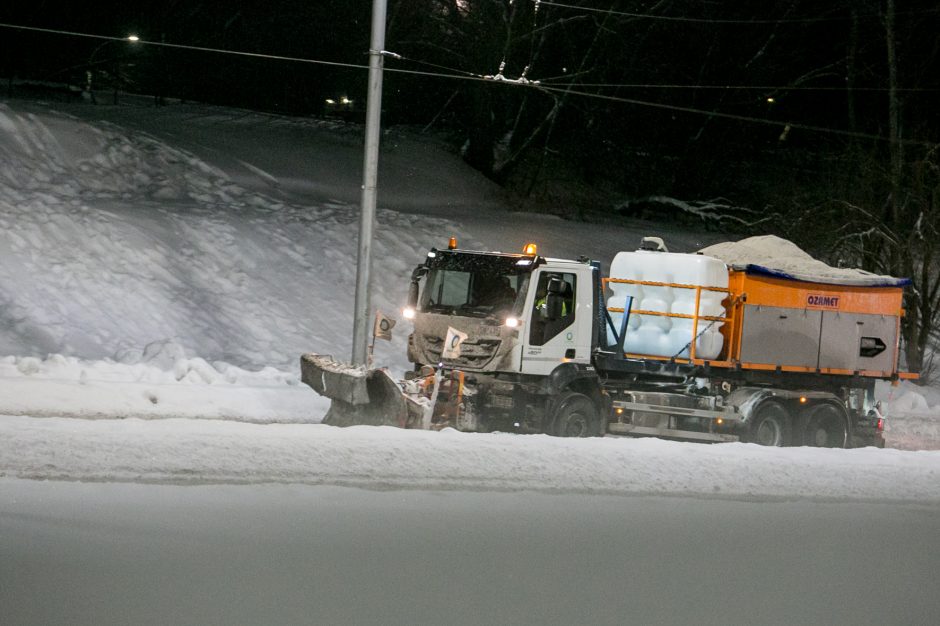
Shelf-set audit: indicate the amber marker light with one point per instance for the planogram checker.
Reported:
(530, 249)
(452, 243)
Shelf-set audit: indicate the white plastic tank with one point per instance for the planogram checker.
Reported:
(668, 336)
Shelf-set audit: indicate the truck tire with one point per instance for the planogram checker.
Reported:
(574, 416)
(771, 425)
(825, 426)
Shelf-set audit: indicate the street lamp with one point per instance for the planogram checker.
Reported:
(89, 73)
(370, 168)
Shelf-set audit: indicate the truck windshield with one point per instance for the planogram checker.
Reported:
(480, 293)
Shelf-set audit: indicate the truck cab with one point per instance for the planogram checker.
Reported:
(506, 324)
(518, 313)
(558, 325)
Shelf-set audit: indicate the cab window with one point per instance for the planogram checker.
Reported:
(542, 328)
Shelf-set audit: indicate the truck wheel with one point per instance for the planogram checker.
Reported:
(824, 426)
(574, 416)
(770, 425)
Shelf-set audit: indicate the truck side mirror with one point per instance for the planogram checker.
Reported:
(416, 275)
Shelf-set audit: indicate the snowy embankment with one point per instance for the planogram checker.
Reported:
(111, 239)
(139, 279)
(181, 451)
(143, 278)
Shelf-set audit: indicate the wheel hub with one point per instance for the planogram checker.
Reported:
(768, 434)
(575, 425)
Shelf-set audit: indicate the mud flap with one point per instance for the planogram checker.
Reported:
(359, 396)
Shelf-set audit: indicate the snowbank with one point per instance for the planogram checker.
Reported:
(160, 382)
(203, 451)
(911, 423)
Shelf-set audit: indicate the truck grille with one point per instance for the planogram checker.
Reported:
(474, 352)
(499, 402)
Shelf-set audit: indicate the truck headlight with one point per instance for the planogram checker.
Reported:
(408, 313)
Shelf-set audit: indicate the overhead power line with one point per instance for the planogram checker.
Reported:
(254, 55)
(549, 89)
(548, 81)
(164, 44)
(455, 73)
(729, 116)
(704, 20)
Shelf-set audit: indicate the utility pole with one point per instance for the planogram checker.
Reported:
(370, 170)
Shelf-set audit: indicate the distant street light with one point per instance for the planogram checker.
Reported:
(89, 73)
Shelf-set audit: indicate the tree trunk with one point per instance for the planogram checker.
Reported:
(894, 116)
(481, 138)
(851, 74)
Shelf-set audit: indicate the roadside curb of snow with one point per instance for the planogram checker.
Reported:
(200, 452)
(104, 400)
(449, 487)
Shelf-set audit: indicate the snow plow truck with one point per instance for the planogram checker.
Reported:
(752, 341)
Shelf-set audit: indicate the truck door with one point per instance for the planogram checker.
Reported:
(550, 342)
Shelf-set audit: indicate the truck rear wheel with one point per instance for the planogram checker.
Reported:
(574, 416)
(825, 426)
(771, 425)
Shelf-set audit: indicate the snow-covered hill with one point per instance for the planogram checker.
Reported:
(239, 246)
(112, 239)
(142, 236)
(176, 261)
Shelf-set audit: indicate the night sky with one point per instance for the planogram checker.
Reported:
(729, 98)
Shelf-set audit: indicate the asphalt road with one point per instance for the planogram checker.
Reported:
(86, 553)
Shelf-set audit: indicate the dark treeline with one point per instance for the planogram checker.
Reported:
(813, 120)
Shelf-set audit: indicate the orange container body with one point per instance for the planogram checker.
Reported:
(769, 291)
(791, 325)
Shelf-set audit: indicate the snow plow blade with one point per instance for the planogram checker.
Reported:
(359, 396)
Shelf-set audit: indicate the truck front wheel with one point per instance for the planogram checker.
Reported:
(770, 425)
(574, 416)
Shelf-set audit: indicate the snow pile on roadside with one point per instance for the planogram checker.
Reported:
(202, 451)
(911, 431)
(912, 416)
(161, 381)
(158, 382)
